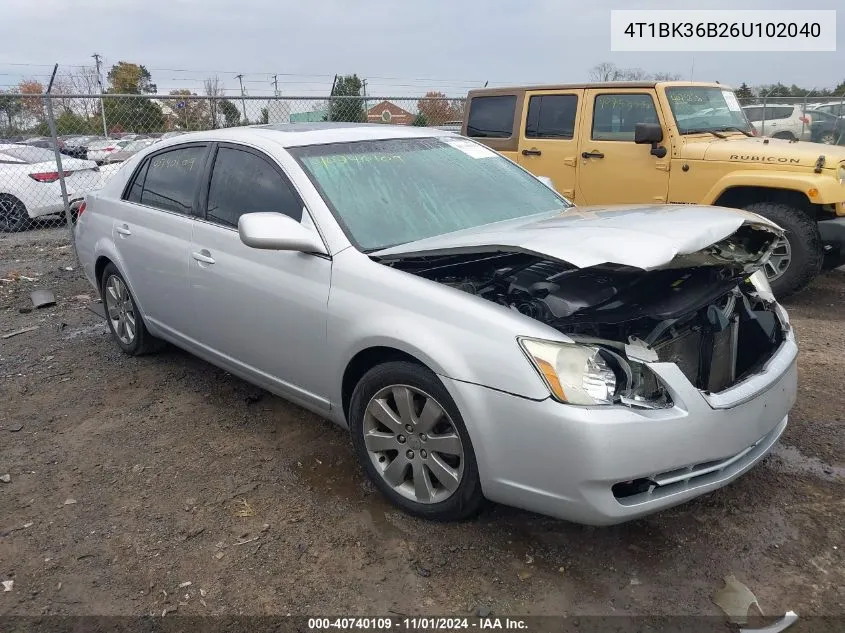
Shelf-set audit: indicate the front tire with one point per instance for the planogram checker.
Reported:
(411, 439)
(122, 315)
(798, 258)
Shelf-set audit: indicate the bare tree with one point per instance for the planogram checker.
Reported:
(605, 71)
(83, 81)
(666, 76)
(214, 90)
(608, 71)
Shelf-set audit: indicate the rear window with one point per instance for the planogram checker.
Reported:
(30, 154)
(491, 117)
(551, 116)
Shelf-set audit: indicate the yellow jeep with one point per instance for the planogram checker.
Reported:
(675, 142)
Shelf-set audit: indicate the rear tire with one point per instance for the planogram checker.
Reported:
(805, 250)
(13, 214)
(123, 317)
(787, 136)
(418, 455)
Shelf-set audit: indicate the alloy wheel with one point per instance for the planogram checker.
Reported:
(413, 444)
(12, 214)
(779, 260)
(120, 310)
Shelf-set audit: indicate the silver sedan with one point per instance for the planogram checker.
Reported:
(479, 336)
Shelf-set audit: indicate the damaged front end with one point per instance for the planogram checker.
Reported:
(709, 311)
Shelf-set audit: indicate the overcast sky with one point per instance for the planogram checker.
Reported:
(402, 48)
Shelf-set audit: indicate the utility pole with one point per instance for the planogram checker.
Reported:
(96, 57)
(276, 85)
(243, 101)
(366, 109)
(331, 95)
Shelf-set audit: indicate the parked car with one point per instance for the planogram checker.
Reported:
(785, 121)
(672, 142)
(29, 184)
(836, 109)
(99, 151)
(827, 128)
(127, 150)
(44, 142)
(477, 335)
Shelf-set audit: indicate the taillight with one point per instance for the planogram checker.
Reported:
(48, 176)
(81, 209)
(754, 130)
(805, 119)
(109, 149)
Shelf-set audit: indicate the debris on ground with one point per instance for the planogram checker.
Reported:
(21, 331)
(42, 298)
(15, 427)
(187, 583)
(789, 618)
(6, 478)
(735, 599)
(245, 510)
(8, 584)
(69, 502)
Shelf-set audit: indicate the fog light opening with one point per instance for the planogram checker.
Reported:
(625, 489)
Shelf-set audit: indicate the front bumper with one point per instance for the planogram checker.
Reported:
(833, 237)
(563, 460)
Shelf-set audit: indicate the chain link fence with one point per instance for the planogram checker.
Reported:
(79, 141)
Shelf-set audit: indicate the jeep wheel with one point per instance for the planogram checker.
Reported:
(787, 136)
(798, 258)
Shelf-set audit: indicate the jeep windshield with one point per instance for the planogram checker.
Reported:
(700, 109)
(392, 191)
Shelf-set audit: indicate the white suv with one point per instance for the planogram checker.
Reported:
(780, 120)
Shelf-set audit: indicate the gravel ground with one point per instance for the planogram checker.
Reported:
(130, 478)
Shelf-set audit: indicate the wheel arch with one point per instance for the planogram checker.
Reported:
(363, 361)
(739, 196)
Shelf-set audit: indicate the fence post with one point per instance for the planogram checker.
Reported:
(51, 122)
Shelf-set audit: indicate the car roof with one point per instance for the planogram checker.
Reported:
(299, 134)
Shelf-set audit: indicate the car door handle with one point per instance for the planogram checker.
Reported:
(531, 152)
(592, 155)
(203, 256)
(123, 230)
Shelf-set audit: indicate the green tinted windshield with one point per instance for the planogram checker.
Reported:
(390, 192)
(705, 108)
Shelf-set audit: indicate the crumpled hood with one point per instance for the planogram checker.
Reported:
(646, 237)
(776, 152)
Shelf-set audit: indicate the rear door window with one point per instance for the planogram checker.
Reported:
(491, 117)
(551, 116)
(172, 178)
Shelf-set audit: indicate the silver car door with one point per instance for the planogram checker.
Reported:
(260, 313)
(152, 231)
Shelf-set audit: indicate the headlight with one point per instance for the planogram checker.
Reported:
(577, 374)
(842, 174)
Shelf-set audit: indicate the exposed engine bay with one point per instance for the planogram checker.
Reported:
(701, 312)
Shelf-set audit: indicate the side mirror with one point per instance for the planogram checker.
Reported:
(648, 133)
(278, 232)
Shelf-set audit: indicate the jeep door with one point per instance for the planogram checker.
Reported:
(548, 138)
(611, 167)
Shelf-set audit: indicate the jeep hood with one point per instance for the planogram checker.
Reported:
(646, 237)
(775, 152)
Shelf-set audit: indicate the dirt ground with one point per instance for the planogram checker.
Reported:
(163, 485)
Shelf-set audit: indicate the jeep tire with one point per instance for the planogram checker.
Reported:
(805, 246)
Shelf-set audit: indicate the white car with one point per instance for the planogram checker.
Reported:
(29, 184)
(99, 151)
(786, 121)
